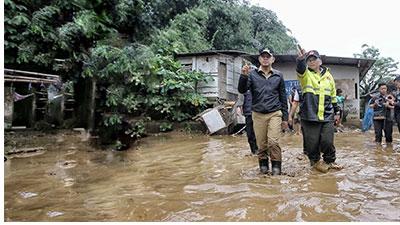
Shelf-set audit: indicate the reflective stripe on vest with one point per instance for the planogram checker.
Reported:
(322, 86)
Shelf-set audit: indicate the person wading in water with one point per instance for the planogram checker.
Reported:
(318, 110)
(269, 109)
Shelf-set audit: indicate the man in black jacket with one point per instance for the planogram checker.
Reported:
(246, 108)
(396, 94)
(269, 109)
(382, 119)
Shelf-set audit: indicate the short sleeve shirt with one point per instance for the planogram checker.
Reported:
(296, 96)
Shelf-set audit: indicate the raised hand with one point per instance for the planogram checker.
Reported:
(246, 69)
(301, 52)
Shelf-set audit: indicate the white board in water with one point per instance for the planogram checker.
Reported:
(213, 120)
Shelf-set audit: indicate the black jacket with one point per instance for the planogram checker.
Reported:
(247, 102)
(309, 107)
(397, 103)
(268, 94)
(380, 110)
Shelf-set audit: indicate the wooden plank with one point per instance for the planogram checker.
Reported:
(31, 73)
(28, 81)
(25, 150)
(27, 78)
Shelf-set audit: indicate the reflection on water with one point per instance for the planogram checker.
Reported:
(177, 177)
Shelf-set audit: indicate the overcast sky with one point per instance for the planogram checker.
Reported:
(340, 27)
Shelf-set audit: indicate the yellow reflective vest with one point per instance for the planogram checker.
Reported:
(319, 101)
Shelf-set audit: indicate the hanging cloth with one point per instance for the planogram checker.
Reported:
(18, 97)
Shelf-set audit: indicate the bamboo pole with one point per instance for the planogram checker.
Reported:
(29, 81)
(27, 78)
(31, 73)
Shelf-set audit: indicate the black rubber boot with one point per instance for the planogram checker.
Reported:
(264, 165)
(276, 167)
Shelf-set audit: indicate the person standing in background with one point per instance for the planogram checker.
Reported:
(294, 118)
(246, 108)
(340, 101)
(397, 101)
(382, 119)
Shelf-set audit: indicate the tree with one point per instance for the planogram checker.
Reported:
(128, 46)
(269, 32)
(236, 25)
(382, 70)
(229, 26)
(186, 33)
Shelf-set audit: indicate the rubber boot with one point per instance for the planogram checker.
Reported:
(264, 165)
(276, 167)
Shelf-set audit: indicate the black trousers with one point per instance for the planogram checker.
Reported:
(387, 127)
(304, 140)
(251, 137)
(317, 139)
(397, 117)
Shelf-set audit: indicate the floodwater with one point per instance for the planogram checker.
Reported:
(181, 177)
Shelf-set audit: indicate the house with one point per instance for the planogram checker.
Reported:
(224, 66)
(30, 97)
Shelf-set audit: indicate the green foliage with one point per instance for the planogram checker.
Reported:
(268, 31)
(118, 145)
(138, 130)
(40, 31)
(165, 126)
(229, 26)
(135, 130)
(185, 34)
(16, 20)
(233, 25)
(112, 120)
(382, 70)
(128, 46)
(139, 81)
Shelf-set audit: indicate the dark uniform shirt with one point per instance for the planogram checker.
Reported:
(268, 91)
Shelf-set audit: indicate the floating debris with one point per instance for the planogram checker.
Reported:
(237, 213)
(54, 213)
(69, 182)
(25, 194)
(67, 164)
(25, 150)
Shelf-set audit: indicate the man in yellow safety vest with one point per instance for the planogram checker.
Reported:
(318, 110)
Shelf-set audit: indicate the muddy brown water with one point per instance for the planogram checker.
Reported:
(181, 177)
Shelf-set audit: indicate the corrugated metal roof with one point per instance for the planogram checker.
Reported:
(213, 52)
